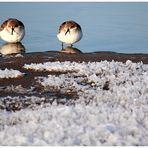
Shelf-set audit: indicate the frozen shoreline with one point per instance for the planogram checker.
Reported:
(74, 103)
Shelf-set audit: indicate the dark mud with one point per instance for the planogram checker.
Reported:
(32, 88)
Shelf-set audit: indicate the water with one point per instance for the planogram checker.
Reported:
(117, 27)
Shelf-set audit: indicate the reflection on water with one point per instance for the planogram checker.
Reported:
(71, 50)
(110, 26)
(12, 48)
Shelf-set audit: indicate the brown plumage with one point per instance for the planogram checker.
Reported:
(69, 24)
(11, 22)
(12, 30)
(69, 32)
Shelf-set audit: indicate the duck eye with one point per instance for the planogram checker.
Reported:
(16, 25)
(72, 26)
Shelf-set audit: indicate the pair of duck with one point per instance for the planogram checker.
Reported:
(13, 31)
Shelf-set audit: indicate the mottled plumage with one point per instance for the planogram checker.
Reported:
(12, 30)
(69, 32)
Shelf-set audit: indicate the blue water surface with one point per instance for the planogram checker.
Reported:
(107, 26)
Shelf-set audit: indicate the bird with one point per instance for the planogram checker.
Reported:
(12, 30)
(69, 32)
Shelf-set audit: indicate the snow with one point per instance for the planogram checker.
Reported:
(110, 108)
(10, 73)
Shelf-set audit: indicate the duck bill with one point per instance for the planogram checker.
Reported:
(67, 31)
(12, 31)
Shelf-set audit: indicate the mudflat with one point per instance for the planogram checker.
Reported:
(28, 86)
(17, 63)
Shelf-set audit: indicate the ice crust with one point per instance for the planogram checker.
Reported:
(111, 107)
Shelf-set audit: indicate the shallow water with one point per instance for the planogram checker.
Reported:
(117, 27)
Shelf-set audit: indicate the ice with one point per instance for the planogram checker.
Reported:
(10, 73)
(49, 66)
(71, 125)
(111, 107)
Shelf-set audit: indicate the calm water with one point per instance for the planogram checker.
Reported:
(118, 27)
